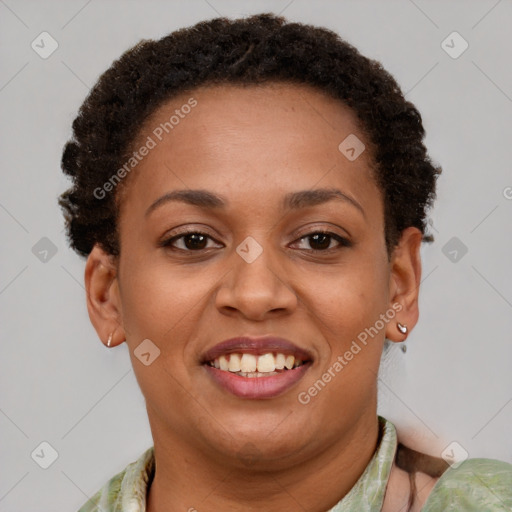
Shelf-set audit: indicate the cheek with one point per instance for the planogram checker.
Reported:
(164, 306)
(346, 376)
(350, 298)
(160, 303)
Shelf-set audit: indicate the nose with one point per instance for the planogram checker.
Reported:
(257, 289)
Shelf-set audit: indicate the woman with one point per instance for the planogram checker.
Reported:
(251, 196)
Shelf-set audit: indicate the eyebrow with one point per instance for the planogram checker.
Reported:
(291, 201)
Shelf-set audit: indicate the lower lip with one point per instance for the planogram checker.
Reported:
(257, 387)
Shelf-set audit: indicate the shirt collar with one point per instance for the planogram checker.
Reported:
(368, 492)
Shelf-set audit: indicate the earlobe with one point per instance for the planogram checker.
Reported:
(103, 298)
(404, 284)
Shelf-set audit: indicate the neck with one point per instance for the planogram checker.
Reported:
(186, 479)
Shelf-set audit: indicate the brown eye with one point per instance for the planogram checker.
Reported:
(321, 241)
(191, 241)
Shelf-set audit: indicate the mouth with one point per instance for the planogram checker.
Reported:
(256, 367)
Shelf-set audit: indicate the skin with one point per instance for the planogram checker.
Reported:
(252, 146)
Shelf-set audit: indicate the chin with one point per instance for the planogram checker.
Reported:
(265, 438)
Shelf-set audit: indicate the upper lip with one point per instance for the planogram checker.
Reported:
(256, 346)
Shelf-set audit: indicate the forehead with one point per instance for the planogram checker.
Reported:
(276, 104)
(227, 137)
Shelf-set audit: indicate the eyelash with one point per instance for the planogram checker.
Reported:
(343, 242)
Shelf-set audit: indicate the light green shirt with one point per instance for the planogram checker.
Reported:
(477, 485)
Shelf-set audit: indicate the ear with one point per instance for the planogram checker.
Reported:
(103, 298)
(404, 283)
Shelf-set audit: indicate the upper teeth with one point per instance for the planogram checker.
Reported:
(248, 363)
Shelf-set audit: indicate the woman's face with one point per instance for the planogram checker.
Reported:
(257, 267)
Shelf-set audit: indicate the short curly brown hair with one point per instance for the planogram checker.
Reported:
(253, 50)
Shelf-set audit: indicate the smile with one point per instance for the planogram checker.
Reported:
(256, 368)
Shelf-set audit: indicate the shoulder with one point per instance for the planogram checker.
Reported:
(105, 498)
(127, 486)
(474, 485)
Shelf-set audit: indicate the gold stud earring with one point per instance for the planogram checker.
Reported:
(109, 341)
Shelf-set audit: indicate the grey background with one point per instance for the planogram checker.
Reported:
(61, 385)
